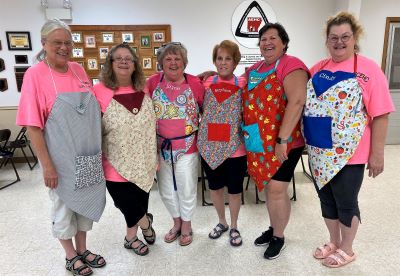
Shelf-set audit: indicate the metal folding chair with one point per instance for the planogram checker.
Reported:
(6, 155)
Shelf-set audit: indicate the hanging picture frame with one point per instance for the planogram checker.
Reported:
(19, 41)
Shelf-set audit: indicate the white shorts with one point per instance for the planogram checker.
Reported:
(66, 223)
(182, 202)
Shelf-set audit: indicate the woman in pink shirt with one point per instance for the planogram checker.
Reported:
(129, 142)
(177, 98)
(345, 124)
(220, 142)
(63, 119)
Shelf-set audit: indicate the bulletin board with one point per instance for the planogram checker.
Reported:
(92, 43)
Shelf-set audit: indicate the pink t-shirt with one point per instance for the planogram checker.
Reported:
(104, 96)
(38, 93)
(241, 151)
(375, 94)
(195, 85)
(287, 65)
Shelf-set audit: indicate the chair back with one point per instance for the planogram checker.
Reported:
(4, 136)
(21, 140)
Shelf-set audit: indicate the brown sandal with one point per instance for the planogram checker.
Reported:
(152, 238)
(138, 249)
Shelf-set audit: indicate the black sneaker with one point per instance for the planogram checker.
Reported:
(275, 248)
(265, 237)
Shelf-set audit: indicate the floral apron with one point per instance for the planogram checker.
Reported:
(335, 108)
(73, 138)
(177, 121)
(264, 103)
(129, 138)
(220, 133)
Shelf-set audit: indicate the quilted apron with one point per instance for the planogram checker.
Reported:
(177, 121)
(334, 121)
(264, 103)
(73, 139)
(219, 132)
(129, 138)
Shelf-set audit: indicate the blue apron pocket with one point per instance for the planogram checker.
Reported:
(252, 138)
(318, 131)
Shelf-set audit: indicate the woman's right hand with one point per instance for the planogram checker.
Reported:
(50, 176)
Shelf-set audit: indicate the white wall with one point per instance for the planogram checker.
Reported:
(198, 24)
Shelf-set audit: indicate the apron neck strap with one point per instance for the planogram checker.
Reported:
(215, 79)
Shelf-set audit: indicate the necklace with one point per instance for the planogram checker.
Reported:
(64, 69)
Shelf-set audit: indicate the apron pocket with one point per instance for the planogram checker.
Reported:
(219, 132)
(88, 171)
(252, 138)
(318, 131)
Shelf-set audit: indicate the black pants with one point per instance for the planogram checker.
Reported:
(339, 197)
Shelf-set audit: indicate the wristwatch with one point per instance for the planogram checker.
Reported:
(279, 140)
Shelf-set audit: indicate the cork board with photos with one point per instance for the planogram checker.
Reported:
(92, 43)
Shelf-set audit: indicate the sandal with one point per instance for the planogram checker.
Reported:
(340, 257)
(138, 249)
(218, 231)
(95, 263)
(189, 238)
(69, 265)
(325, 250)
(173, 235)
(152, 238)
(233, 238)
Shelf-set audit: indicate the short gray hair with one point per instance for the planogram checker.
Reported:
(174, 48)
(48, 27)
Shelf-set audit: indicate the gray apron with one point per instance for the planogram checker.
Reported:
(73, 138)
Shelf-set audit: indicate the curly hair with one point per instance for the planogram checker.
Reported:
(345, 18)
(108, 77)
(281, 32)
(231, 47)
(175, 48)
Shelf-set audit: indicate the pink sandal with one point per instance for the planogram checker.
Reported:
(340, 257)
(325, 250)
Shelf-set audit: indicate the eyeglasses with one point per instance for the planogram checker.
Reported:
(59, 44)
(335, 39)
(121, 59)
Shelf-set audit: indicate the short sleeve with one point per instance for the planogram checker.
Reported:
(31, 108)
(376, 95)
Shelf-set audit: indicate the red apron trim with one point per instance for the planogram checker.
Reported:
(219, 132)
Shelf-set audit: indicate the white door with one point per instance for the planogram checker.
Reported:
(392, 72)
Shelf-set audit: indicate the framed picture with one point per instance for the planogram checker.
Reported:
(145, 41)
(92, 64)
(76, 37)
(159, 37)
(127, 37)
(103, 52)
(146, 64)
(95, 81)
(134, 49)
(77, 52)
(101, 66)
(90, 41)
(21, 59)
(155, 49)
(19, 41)
(108, 37)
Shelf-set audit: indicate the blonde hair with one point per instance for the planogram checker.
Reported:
(48, 27)
(346, 18)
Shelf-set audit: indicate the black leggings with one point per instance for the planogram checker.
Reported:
(339, 197)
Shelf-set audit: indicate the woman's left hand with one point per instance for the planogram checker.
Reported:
(375, 165)
(281, 152)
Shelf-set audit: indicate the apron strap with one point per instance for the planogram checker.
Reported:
(167, 145)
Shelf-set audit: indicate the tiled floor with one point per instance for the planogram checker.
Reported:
(27, 247)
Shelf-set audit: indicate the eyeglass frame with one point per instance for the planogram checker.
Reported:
(125, 59)
(59, 44)
(335, 38)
